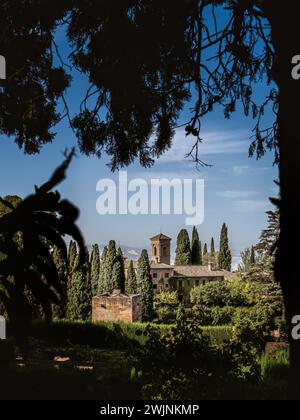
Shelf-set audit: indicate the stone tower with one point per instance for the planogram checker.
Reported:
(161, 249)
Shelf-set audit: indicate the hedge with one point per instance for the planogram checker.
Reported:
(106, 335)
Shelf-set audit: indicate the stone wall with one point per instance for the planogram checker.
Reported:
(117, 307)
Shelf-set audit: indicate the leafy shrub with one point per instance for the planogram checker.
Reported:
(166, 314)
(215, 316)
(184, 365)
(167, 298)
(222, 316)
(238, 292)
(260, 317)
(212, 294)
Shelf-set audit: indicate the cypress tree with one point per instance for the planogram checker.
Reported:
(80, 294)
(102, 286)
(183, 249)
(116, 277)
(196, 254)
(212, 248)
(205, 250)
(131, 283)
(213, 255)
(120, 258)
(252, 256)
(111, 258)
(145, 285)
(72, 256)
(60, 310)
(224, 260)
(95, 269)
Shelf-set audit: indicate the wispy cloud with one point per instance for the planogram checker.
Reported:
(234, 195)
(249, 206)
(249, 170)
(214, 143)
(240, 170)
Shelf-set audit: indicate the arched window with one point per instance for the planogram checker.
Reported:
(165, 251)
(155, 251)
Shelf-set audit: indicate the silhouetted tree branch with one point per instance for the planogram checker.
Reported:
(28, 233)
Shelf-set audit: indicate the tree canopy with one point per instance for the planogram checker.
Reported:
(139, 79)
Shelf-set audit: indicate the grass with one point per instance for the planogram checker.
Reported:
(275, 365)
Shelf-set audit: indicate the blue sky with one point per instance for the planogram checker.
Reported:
(237, 188)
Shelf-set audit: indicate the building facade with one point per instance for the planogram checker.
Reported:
(168, 277)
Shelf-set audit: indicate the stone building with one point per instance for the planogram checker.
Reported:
(117, 307)
(167, 277)
(161, 249)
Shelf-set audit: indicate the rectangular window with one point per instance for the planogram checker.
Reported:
(155, 275)
(167, 275)
(155, 286)
(197, 283)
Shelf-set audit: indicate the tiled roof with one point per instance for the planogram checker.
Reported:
(161, 266)
(186, 270)
(198, 271)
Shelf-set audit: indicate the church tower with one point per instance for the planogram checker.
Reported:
(161, 249)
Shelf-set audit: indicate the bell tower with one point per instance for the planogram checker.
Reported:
(161, 249)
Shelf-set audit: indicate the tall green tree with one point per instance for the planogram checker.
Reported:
(212, 248)
(213, 256)
(196, 253)
(117, 276)
(205, 250)
(120, 258)
(131, 283)
(102, 285)
(145, 285)
(252, 256)
(95, 269)
(60, 309)
(80, 293)
(72, 256)
(246, 260)
(224, 259)
(183, 249)
(110, 261)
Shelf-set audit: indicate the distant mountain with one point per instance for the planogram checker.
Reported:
(129, 252)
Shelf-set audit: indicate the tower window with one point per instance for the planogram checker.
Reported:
(165, 251)
(155, 251)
